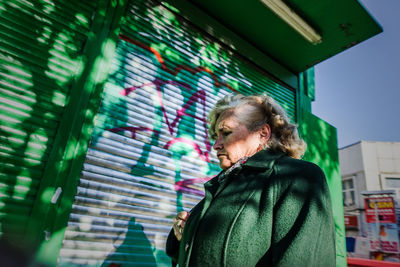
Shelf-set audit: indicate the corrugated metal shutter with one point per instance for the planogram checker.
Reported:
(40, 43)
(149, 153)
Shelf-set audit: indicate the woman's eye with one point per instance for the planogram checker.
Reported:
(226, 133)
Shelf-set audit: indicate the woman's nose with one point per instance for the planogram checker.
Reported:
(218, 144)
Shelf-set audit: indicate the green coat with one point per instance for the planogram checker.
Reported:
(271, 211)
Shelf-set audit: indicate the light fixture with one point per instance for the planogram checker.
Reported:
(294, 20)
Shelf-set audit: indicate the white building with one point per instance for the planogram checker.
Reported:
(367, 166)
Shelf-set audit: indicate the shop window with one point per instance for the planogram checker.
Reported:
(349, 194)
(391, 182)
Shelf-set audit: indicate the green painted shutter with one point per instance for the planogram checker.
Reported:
(40, 49)
(149, 154)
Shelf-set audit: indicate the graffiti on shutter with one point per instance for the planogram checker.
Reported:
(150, 154)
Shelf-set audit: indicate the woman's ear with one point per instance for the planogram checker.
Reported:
(265, 133)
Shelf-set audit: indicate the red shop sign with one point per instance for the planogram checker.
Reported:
(383, 207)
(350, 221)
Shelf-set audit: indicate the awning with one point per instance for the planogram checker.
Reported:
(341, 24)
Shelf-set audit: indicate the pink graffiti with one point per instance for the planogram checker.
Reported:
(178, 68)
(183, 186)
(133, 130)
(127, 91)
(197, 97)
(203, 155)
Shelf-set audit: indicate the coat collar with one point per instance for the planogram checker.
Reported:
(263, 159)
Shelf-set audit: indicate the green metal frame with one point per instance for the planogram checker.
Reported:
(306, 90)
(50, 215)
(322, 149)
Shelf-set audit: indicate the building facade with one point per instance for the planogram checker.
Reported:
(367, 167)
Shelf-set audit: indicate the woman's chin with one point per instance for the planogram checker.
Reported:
(225, 165)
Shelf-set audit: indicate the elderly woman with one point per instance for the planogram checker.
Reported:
(267, 207)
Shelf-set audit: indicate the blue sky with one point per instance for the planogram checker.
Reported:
(358, 91)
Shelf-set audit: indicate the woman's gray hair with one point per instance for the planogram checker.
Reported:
(259, 110)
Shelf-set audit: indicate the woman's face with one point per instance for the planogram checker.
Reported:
(234, 141)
